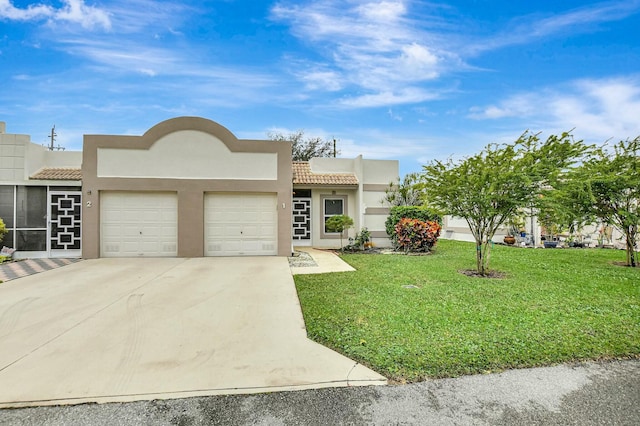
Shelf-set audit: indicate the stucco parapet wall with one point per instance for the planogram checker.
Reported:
(206, 151)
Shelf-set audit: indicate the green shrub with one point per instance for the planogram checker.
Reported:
(424, 214)
(415, 235)
(3, 229)
(361, 241)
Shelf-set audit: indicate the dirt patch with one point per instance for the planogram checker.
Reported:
(475, 274)
(624, 264)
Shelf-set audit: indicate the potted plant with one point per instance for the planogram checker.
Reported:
(515, 226)
(509, 239)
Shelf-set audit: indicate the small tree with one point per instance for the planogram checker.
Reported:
(607, 187)
(304, 148)
(489, 188)
(339, 223)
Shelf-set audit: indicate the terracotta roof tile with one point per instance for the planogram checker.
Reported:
(58, 173)
(302, 175)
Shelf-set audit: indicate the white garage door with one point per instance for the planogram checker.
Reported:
(240, 224)
(134, 224)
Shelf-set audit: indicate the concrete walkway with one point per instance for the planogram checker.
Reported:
(23, 268)
(140, 329)
(327, 261)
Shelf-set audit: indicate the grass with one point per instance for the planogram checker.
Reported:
(553, 306)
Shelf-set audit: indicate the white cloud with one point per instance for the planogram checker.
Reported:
(598, 109)
(322, 80)
(520, 105)
(75, 11)
(382, 49)
(376, 46)
(384, 11)
(525, 29)
(401, 96)
(87, 16)
(131, 57)
(150, 16)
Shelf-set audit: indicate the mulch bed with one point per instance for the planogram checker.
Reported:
(617, 263)
(475, 274)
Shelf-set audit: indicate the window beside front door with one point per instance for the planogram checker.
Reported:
(332, 205)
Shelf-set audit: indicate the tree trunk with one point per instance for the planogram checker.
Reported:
(631, 246)
(483, 251)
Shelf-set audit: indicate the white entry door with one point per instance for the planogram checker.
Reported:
(240, 224)
(134, 224)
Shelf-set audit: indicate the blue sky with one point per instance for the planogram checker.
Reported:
(408, 80)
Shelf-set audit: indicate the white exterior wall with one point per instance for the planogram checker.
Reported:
(333, 165)
(381, 172)
(317, 222)
(373, 199)
(202, 156)
(456, 228)
(38, 156)
(20, 158)
(12, 154)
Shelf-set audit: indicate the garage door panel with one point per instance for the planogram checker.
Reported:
(240, 224)
(267, 231)
(169, 217)
(137, 224)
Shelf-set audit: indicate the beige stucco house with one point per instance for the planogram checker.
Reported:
(187, 187)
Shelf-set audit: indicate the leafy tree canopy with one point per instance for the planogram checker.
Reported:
(607, 187)
(489, 188)
(339, 223)
(305, 147)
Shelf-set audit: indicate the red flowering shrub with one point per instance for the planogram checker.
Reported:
(414, 235)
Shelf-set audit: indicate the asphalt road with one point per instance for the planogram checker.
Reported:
(595, 393)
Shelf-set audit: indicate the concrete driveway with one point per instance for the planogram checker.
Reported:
(139, 329)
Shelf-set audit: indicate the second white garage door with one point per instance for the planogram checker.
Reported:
(240, 224)
(134, 224)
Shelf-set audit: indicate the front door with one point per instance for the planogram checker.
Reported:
(65, 221)
(301, 221)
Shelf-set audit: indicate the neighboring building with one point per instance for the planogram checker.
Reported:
(456, 228)
(40, 198)
(188, 188)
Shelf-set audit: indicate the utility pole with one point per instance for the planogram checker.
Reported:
(52, 137)
(334, 148)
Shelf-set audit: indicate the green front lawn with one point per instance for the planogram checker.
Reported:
(555, 305)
